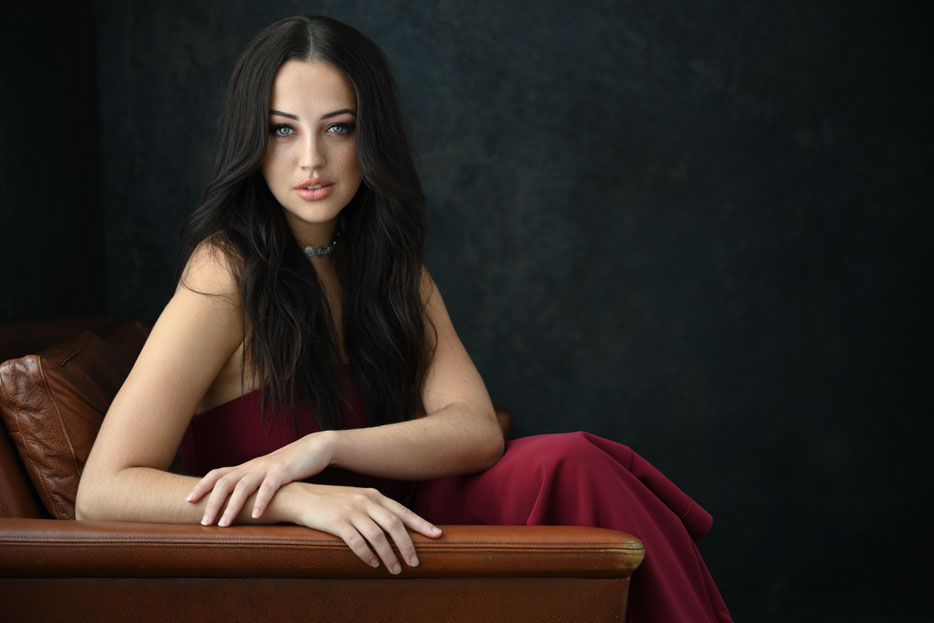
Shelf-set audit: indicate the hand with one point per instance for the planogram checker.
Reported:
(363, 518)
(298, 460)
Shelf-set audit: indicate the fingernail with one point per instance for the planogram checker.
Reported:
(255, 513)
(396, 569)
(190, 497)
(413, 561)
(204, 520)
(436, 530)
(374, 563)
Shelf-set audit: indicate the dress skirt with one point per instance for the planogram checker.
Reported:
(580, 479)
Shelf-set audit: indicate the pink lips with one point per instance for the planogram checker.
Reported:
(313, 190)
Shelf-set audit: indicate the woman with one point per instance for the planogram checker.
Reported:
(321, 365)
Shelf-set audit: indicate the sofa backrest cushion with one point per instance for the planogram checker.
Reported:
(17, 495)
(53, 404)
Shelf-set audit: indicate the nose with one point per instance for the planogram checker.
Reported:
(312, 154)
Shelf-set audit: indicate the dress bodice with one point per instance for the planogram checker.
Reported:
(236, 431)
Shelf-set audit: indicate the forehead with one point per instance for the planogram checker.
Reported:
(312, 86)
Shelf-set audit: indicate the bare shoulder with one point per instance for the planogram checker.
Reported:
(203, 321)
(201, 326)
(192, 340)
(209, 270)
(428, 289)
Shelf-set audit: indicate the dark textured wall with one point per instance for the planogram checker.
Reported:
(697, 228)
(51, 243)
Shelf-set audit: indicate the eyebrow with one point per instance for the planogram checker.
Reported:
(324, 116)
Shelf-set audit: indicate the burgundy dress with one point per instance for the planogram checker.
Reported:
(565, 479)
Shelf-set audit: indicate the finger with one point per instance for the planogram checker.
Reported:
(243, 489)
(206, 483)
(378, 541)
(220, 492)
(357, 545)
(267, 489)
(411, 519)
(393, 526)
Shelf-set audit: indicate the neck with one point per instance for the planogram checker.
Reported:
(321, 251)
(316, 235)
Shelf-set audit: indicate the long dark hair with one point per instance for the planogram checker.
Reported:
(289, 335)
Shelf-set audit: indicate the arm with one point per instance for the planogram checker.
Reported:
(125, 478)
(459, 434)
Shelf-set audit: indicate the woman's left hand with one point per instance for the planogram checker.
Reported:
(298, 460)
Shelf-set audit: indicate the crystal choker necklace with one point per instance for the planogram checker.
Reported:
(313, 251)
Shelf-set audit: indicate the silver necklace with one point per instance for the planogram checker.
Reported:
(313, 251)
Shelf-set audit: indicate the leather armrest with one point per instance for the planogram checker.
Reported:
(35, 548)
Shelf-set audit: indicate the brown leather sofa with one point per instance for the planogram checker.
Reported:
(55, 568)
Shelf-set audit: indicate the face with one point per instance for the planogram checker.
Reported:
(311, 159)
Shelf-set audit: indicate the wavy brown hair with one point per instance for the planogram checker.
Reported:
(290, 337)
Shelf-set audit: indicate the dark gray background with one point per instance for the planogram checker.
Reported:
(698, 228)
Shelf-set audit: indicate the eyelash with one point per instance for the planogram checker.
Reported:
(275, 128)
(344, 129)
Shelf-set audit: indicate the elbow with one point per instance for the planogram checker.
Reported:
(494, 446)
(82, 505)
(88, 500)
(497, 450)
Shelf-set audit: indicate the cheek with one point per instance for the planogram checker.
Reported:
(349, 161)
(267, 159)
(272, 163)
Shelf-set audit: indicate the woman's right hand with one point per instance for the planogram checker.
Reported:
(363, 518)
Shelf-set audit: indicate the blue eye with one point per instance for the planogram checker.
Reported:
(341, 128)
(281, 129)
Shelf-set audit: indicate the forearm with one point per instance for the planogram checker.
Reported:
(151, 495)
(364, 519)
(452, 441)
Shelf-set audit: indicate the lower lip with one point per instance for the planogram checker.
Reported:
(316, 194)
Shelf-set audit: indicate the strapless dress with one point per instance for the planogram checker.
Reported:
(562, 479)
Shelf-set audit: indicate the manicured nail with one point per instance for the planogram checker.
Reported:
(374, 563)
(224, 522)
(413, 561)
(190, 497)
(255, 513)
(396, 569)
(204, 520)
(435, 530)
